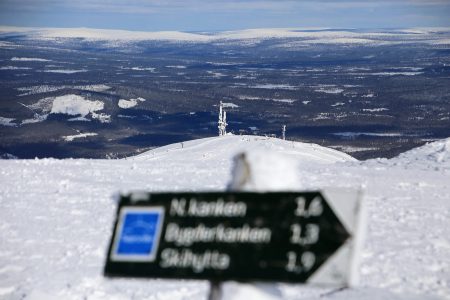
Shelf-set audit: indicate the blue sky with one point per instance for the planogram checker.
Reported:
(212, 15)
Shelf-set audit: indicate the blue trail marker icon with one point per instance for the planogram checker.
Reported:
(138, 233)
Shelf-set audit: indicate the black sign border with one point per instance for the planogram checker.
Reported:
(137, 269)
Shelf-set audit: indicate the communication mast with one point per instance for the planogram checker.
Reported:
(222, 124)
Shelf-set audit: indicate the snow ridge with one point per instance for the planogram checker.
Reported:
(229, 145)
(431, 155)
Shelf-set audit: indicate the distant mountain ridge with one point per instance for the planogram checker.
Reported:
(309, 35)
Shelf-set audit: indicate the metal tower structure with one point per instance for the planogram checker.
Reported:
(222, 123)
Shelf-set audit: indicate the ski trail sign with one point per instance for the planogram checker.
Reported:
(242, 236)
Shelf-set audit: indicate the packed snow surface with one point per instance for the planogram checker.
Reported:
(57, 217)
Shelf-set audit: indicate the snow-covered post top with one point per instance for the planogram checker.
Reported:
(264, 171)
(260, 171)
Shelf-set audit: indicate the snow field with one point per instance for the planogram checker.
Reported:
(57, 217)
(75, 105)
(123, 103)
(7, 122)
(71, 104)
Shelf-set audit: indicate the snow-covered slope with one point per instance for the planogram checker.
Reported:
(432, 155)
(57, 217)
(216, 149)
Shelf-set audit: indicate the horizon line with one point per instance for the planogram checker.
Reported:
(6, 28)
